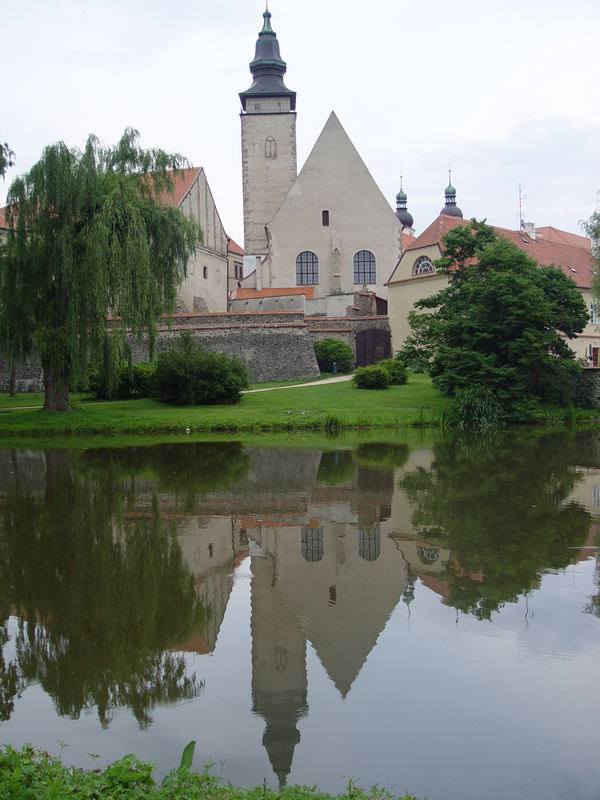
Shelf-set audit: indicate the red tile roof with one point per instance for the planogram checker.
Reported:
(564, 250)
(551, 234)
(247, 294)
(3, 222)
(183, 180)
(234, 248)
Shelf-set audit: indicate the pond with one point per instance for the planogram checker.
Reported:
(425, 618)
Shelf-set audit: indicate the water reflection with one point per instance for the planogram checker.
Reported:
(490, 516)
(117, 562)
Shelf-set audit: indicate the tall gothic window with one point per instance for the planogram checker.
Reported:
(369, 543)
(307, 268)
(270, 147)
(364, 267)
(311, 543)
(423, 266)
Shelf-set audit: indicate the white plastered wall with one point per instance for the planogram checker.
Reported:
(334, 179)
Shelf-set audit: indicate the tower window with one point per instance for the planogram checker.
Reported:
(257, 106)
(364, 267)
(311, 543)
(307, 269)
(270, 147)
(423, 266)
(205, 272)
(325, 218)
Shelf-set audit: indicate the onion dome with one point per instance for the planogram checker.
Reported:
(450, 209)
(267, 68)
(402, 212)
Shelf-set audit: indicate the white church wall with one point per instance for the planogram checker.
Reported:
(335, 180)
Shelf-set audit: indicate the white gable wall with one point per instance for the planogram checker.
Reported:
(206, 283)
(334, 179)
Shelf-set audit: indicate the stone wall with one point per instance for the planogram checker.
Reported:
(29, 376)
(270, 352)
(274, 345)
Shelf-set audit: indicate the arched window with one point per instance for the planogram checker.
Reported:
(369, 543)
(311, 543)
(364, 267)
(423, 266)
(307, 268)
(428, 554)
(270, 147)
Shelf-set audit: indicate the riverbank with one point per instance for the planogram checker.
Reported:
(30, 774)
(328, 407)
(323, 407)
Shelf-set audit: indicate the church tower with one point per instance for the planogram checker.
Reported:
(268, 140)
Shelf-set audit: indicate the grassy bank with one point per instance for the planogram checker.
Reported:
(328, 407)
(31, 774)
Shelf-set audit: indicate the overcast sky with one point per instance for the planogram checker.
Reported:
(507, 91)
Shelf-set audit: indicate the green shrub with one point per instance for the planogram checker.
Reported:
(374, 377)
(188, 375)
(329, 351)
(397, 372)
(475, 407)
(123, 381)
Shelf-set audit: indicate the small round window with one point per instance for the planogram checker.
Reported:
(423, 266)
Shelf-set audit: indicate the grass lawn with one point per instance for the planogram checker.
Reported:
(328, 407)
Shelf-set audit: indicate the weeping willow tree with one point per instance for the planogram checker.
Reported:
(90, 234)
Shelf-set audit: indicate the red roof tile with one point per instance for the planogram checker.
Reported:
(234, 248)
(560, 248)
(183, 180)
(248, 294)
(551, 234)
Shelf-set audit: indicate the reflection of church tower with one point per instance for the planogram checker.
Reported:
(278, 668)
(268, 140)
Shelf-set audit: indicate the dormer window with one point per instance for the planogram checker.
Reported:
(423, 266)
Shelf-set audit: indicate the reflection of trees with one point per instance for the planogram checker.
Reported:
(103, 597)
(11, 683)
(593, 607)
(501, 511)
(187, 471)
(336, 467)
(382, 455)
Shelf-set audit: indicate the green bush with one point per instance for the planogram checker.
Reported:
(329, 351)
(397, 372)
(190, 376)
(475, 407)
(123, 381)
(374, 377)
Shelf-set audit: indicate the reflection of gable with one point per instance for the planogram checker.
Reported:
(341, 601)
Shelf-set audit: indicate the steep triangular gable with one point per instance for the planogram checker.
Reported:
(332, 165)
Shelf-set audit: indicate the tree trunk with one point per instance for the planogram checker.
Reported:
(56, 390)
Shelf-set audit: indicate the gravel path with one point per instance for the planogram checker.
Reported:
(336, 379)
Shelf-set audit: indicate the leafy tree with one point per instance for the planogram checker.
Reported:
(502, 322)
(592, 229)
(87, 236)
(6, 158)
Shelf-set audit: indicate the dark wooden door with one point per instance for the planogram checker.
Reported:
(372, 346)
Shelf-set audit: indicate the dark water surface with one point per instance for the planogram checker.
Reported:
(424, 619)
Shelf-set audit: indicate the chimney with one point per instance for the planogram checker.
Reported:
(529, 228)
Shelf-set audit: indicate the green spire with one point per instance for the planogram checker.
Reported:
(267, 22)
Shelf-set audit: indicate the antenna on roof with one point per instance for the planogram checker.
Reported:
(522, 196)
